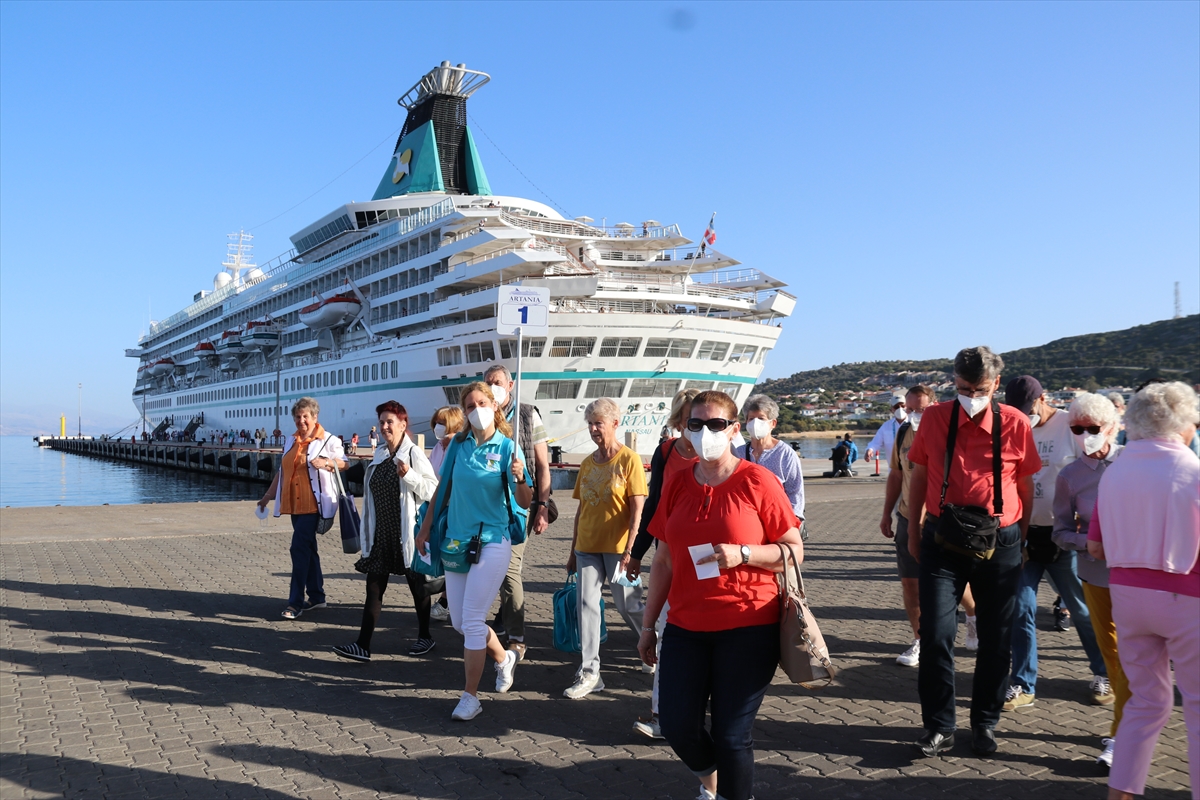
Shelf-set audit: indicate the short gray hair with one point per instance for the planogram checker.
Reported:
(1117, 399)
(602, 408)
(978, 364)
(762, 404)
(309, 404)
(1096, 407)
(1161, 410)
(495, 368)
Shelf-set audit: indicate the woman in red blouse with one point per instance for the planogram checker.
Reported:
(720, 521)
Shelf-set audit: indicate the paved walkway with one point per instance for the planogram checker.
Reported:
(144, 656)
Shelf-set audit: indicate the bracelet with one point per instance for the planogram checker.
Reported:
(648, 630)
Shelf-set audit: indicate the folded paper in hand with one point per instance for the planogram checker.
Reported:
(704, 571)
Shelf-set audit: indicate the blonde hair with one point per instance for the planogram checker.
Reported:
(681, 399)
(450, 416)
(602, 408)
(479, 386)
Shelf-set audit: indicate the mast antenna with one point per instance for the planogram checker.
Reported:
(238, 257)
(1178, 304)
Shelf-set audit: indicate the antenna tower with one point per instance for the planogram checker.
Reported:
(238, 257)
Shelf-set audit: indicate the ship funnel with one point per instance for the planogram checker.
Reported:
(435, 151)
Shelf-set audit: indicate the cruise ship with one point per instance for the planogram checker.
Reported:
(396, 298)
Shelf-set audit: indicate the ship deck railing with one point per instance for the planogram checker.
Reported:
(573, 228)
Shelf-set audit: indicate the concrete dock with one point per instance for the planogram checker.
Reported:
(143, 655)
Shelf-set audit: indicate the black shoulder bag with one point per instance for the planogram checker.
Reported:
(971, 530)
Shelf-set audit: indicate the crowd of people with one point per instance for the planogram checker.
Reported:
(991, 498)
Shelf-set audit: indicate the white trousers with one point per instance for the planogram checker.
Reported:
(470, 594)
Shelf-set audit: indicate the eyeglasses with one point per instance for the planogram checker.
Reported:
(1079, 430)
(716, 424)
(972, 391)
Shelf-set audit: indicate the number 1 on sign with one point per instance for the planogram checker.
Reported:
(524, 314)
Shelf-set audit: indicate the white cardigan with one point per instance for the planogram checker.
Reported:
(417, 487)
(323, 484)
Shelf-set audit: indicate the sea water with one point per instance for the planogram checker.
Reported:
(37, 476)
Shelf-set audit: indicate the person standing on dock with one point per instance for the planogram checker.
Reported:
(534, 440)
(304, 490)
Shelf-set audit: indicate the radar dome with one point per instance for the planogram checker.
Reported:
(253, 274)
(221, 280)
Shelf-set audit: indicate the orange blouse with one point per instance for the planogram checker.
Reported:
(296, 495)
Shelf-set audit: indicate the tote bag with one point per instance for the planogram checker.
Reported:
(566, 617)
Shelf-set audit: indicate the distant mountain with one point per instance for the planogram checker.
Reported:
(1169, 349)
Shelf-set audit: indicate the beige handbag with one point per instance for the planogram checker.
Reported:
(802, 651)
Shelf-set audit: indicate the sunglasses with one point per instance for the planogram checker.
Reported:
(1079, 430)
(716, 424)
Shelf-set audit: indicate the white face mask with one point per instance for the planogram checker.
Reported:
(900, 414)
(439, 431)
(480, 417)
(501, 394)
(914, 419)
(709, 445)
(758, 428)
(973, 405)
(1034, 419)
(1091, 442)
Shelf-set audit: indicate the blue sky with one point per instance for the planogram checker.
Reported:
(926, 176)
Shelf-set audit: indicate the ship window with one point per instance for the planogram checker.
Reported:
(743, 353)
(712, 351)
(653, 387)
(383, 370)
(531, 347)
(577, 347)
(669, 348)
(395, 370)
(619, 347)
(452, 394)
(480, 351)
(356, 374)
(703, 386)
(558, 390)
(730, 389)
(304, 378)
(762, 355)
(606, 388)
(449, 356)
(374, 372)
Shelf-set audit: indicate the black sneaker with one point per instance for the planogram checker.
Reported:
(352, 652)
(934, 743)
(1062, 617)
(421, 646)
(983, 740)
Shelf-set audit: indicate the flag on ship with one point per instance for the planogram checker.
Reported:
(710, 233)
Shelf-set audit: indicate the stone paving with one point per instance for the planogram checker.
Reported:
(149, 660)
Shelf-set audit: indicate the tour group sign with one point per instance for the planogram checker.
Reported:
(522, 310)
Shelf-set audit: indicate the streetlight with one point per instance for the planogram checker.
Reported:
(81, 411)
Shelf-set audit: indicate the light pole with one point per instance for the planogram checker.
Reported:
(81, 411)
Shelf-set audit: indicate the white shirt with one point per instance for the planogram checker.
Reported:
(885, 438)
(1057, 447)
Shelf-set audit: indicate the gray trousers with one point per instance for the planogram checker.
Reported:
(595, 569)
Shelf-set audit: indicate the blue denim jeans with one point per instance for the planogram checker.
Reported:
(306, 564)
(731, 669)
(1024, 639)
(944, 576)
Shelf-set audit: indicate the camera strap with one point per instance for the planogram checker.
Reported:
(952, 435)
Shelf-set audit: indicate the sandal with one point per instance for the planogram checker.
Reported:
(291, 612)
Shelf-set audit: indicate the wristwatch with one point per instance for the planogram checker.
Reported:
(745, 554)
(522, 481)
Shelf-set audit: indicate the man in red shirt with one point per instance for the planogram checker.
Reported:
(944, 573)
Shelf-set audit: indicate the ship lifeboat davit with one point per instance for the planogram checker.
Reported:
(231, 342)
(205, 349)
(330, 312)
(164, 366)
(259, 335)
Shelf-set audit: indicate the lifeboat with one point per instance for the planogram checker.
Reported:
(259, 335)
(330, 312)
(164, 366)
(205, 349)
(231, 342)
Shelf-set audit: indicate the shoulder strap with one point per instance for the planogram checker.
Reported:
(508, 486)
(951, 436)
(997, 493)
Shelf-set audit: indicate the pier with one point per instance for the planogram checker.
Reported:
(144, 656)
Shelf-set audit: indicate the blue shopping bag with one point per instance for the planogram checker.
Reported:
(566, 617)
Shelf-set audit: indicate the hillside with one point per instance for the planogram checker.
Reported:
(1168, 349)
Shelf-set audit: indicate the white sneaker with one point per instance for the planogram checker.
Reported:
(468, 707)
(505, 670)
(585, 683)
(1102, 693)
(439, 613)
(912, 656)
(1106, 757)
(972, 642)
